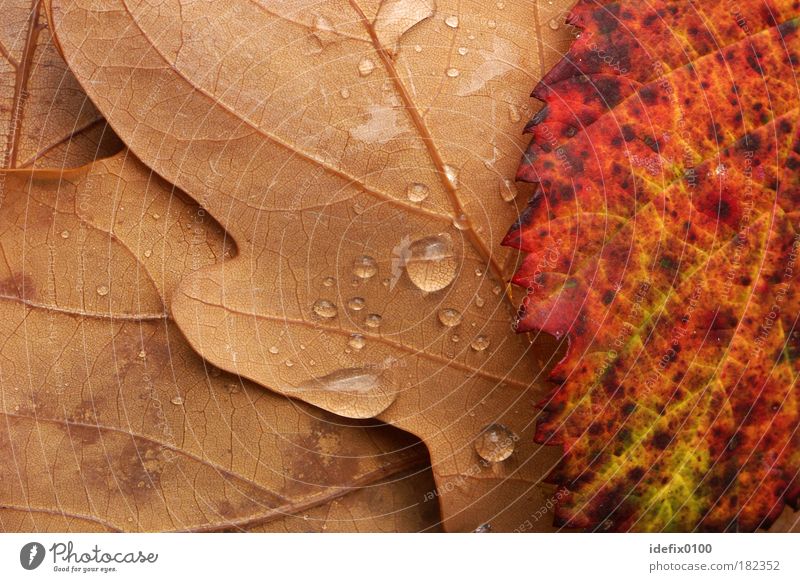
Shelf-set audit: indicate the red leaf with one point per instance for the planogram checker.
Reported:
(663, 243)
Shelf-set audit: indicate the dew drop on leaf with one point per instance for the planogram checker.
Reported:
(480, 343)
(453, 72)
(274, 350)
(365, 67)
(177, 400)
(418, 192)
(508, 190)
(365, 267)
(373, 320)
(102, 290)
(495, 444)
(325, 309)
(449, 317)
(356, 303)
(357, 341)
(431, 264)
(451, 21)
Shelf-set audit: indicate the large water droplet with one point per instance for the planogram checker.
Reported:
(461, 222)
(449, 317)
(365, 267)
(418, 192)
(325, 309)
(495, 444)
(353, 392)
(431, 264)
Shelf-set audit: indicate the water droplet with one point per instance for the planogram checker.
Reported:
(452, 175)
(142, 354)
(325, 309)
(553, 24)
(64, 234)
(289, 363)
(102, 290)
(365, 267)
(356, 303)
(156, 215)
(495, 443)
(328, 282)
(451, 21)
(492, 24)
(461, 222)
(274, 350)
(345, 93)
(365, 67)
(148, 253)
(479, 301)
(485, 528)
(455, 338)
(357, 341)
(449, 317)
(508, 190)
(177, 400)
(480, 343)
(417, 48)
(453, 72)
(418, 192)
(354, 393)
(497, 290)
(431, 263)
(462, 50)
(373, 320)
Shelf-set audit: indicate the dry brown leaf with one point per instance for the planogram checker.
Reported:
(111, 422)
(45, 117)
(314, 144)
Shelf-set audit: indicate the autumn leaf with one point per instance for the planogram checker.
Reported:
(45, 117)
(359, 155)
(112, 423)
(663, 243)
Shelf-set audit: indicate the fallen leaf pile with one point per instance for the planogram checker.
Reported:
(663, 242)
(252, 277)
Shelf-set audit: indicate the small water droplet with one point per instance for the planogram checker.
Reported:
(289, 363)
(455, 338)
(462, 50)
(328, 282)
(156, 215)
(431, 263)
(418, 192)
(508, 190)
(449, 317)
(64, 234)
(373, 320)
(451, 21)
(365, 67)
(365, 267)
(480, 301)
(553, 24)
(142, 354)
(497, 290)
(461, 222)
(325, 309)
(417, 48)
(148, 253)
(345, 93)
(452, 175)
(177, 400)
(495, 444)
(357, 341)
(492, 24)
(102, 290)
(274, 350)
(485, 528)
(453, 72)
(356, 303)
(480, 343)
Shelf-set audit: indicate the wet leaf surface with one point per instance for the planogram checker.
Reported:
(358, 153)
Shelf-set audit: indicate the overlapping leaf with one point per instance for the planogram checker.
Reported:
(359, 155)
(111, 422)
(45, 117)
(663, 242)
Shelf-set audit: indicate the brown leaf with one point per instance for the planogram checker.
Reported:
(112, 422)
(316, 145)
(45, 117)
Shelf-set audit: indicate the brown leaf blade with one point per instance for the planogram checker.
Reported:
(111, 422)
